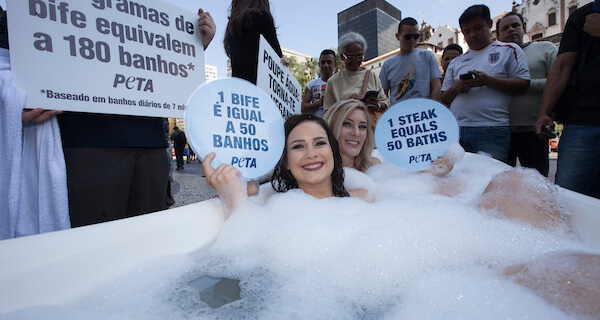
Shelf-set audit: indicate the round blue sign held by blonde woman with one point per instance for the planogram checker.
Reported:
(415, 132)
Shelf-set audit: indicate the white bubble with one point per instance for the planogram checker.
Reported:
(411, 254)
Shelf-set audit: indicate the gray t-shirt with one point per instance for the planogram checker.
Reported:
(409, 76)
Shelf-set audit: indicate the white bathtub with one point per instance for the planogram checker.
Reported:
(52, 268)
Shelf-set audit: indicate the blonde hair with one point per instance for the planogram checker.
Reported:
(335, 117)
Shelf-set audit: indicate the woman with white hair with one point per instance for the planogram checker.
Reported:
(354, 81)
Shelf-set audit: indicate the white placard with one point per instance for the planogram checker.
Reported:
(277, 81)
(414, 132)
(239, 122)
(106, 56)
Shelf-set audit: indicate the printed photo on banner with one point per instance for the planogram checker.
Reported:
(239, 122)
(415, 132)
(104, 56)
(277, 81)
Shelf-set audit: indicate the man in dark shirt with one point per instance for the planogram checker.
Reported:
(578, 167)
(116, 165)
(179, 141)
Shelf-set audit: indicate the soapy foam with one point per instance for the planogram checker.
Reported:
(411, 254)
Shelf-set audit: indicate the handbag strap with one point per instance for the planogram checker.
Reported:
(366, 81)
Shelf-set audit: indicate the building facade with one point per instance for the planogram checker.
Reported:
(211, 72)
(445, 35)
(376, 20)
(546, 19)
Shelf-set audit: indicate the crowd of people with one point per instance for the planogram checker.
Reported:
(502, 93)
(497, 90)
(478, 87)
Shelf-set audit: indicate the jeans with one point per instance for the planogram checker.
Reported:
(531, 151)
(492, 140)
(578, 166)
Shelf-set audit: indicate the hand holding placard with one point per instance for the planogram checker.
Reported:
(237, 121)
(415, 132)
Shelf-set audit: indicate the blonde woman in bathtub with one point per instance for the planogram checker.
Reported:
(352, 127)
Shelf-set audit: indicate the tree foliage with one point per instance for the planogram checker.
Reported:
(303, 72)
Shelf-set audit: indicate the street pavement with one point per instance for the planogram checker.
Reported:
(189, 185)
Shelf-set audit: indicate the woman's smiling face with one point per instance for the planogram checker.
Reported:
(309, 156)
(352, 136)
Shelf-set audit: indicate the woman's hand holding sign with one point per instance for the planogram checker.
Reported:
(228, 182)
(241, 133)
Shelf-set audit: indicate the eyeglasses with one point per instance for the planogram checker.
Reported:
(415, 36)
(358, 57)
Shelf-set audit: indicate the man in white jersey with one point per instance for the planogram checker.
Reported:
(312, 101)
(531, 150)
(412, 73)
(479, 83)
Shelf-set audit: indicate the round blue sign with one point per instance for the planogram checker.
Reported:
(415, 132)
(239, 122)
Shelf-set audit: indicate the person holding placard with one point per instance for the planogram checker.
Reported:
(351, 124)
(248, 20)
(311, 162)
(116, 165)
(354, 81)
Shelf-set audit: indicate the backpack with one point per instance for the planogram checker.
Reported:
(181, 138)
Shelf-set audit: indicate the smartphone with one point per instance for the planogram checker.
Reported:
(547, 133)
(370, 94)
(467, 76)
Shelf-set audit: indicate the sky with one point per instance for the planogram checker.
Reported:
(309, 26)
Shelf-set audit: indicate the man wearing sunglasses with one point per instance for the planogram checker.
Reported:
(412, 73)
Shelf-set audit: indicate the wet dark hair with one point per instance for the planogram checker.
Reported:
(452, 46)
(407, 22)
(508, 15)
(283, 180)
(474, 11)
